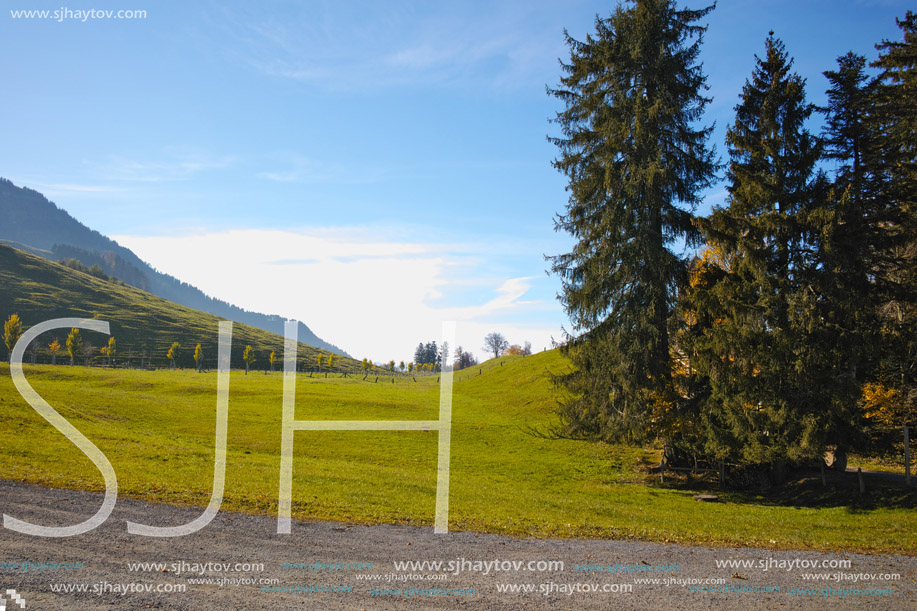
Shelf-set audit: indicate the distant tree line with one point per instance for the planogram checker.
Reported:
(79, 349)
(427, 354)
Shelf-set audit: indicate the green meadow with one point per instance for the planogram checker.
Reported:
(157, 429)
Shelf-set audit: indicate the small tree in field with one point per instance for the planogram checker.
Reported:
(330, 360)
(410, 367)
(173, 353)
(401, 366)
(199, 357)
(111, 350)
(463, 359)
(54, 347)
(272, 357)
(496, 343)
(248, 356)
(12, 331)
(74, 344)
(320, 358)
(88, 351)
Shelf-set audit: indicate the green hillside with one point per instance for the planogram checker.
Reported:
(157, 428)
(38, 290)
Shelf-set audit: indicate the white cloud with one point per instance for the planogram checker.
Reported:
(371, 296)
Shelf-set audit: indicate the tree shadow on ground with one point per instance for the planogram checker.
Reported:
(804, 488)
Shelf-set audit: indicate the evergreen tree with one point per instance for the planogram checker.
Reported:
(851, 224)
(636, 162)
(896, 116)
(756, 331)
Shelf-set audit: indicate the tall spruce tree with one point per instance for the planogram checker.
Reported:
(636, 161)
(757, 336)
(896, 117)
(853, 241)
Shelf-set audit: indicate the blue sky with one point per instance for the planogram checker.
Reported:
(368, 168)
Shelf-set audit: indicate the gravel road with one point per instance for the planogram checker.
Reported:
(333, 556)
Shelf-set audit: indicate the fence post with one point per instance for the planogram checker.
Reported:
(662, 468)
(907, 457)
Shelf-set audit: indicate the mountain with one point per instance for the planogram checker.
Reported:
(38, 290)
(30, 222)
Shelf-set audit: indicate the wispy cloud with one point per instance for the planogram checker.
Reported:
(72, 188)
(389, 46)
(170, 167)
(301, 169)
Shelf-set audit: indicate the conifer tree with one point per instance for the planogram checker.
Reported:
(896, 116)
(757, 335)
(636, 161)
(851, 222)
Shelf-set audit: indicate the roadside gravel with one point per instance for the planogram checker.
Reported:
(105, 554)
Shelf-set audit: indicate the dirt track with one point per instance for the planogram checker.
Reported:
(233, 538)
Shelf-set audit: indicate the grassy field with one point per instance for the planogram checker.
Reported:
(157, 427)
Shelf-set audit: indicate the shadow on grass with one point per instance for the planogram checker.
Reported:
(803, 488)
